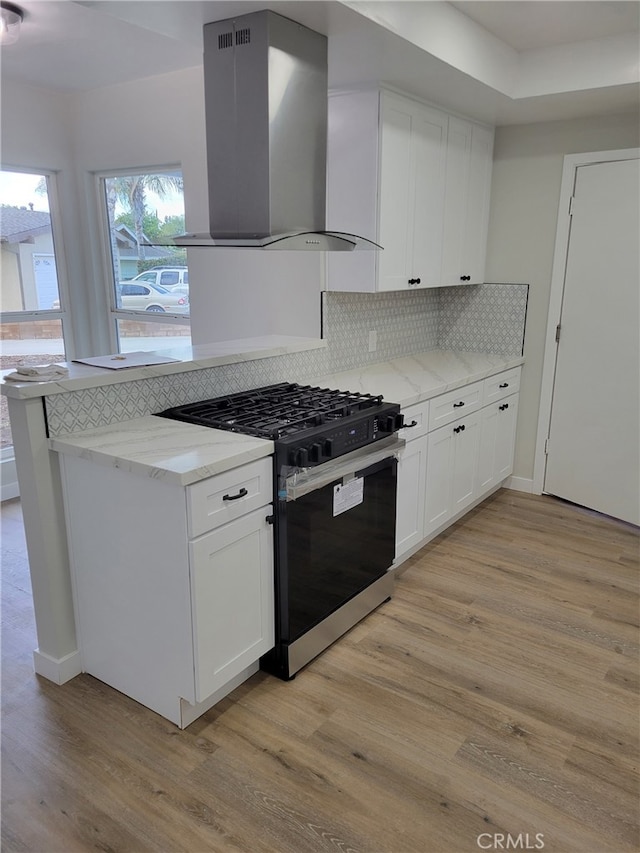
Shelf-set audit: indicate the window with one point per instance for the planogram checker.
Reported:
(32, 324)
(142, 208)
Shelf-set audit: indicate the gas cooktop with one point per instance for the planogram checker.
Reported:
(275, 411)
(309, 425)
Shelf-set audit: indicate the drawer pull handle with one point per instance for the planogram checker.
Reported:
(241, 494)
(504, 385)
(504, 406)
(414, 281)
(458, 405)
(459, 428)
(412, 424)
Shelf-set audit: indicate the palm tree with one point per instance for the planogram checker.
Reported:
(131, 191)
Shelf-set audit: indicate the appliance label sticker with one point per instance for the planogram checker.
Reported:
(347, 496)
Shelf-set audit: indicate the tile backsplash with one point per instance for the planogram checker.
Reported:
(483, 318)
(476, 318)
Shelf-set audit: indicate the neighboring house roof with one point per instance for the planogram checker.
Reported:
(18, 224)
(128, 246)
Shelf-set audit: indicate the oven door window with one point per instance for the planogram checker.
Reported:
(331, 558)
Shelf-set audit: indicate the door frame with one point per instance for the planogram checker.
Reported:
(563, 234)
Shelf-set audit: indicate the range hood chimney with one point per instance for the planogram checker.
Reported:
(266, 124)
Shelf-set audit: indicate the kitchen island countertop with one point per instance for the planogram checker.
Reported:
(187, 358)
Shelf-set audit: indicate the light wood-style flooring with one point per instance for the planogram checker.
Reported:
(492, 704)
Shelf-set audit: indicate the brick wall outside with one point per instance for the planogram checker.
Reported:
(49, 329)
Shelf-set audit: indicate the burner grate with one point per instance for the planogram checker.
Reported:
(275, 411)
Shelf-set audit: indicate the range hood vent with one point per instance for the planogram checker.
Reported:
(265, 82)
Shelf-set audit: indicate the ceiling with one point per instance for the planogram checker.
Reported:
(522, 60)
(530, 24)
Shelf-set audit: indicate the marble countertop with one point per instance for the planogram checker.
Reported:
(416, 378)
(184, 453)
(83, 376)
(163, 449)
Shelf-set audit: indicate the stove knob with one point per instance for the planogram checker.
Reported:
(293, 458)
(389, 424)
(315, 452)
(399, 419)
(328, 447)
(303, 457)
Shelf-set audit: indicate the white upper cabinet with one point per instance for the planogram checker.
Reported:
(401, 173)
(466, 210)
(411, 197)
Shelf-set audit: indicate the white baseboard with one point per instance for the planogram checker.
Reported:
(58, 670)
(9, 478)
(521, 484)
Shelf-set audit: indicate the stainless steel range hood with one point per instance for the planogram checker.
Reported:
(266, 125)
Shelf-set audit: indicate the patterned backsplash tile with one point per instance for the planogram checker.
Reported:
(480, 318)
(483, 318)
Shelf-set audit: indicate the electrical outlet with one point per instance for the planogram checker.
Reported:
(373, 340)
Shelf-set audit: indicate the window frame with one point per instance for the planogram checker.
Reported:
(30, 315)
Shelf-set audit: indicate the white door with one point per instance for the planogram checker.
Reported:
(593, 447)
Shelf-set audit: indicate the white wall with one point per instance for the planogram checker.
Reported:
(527, 172)
(150, 123)
(37, 133)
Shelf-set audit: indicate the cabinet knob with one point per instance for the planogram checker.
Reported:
(414, 281)
(269, 519)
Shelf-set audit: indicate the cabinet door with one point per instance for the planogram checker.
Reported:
(497, 442)
(396, 196)
(412, 470)
(232, 599)
(465, 461)
(487, 451)
(477, 212)
(439, 480)
(467, 191)
(506, 437)
(456, 192)
(411, 203)
(429, 153)
(452, 470)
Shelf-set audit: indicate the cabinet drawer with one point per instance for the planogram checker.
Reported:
(213, 502)
(501, 385)
(455, 404)
(416, 418)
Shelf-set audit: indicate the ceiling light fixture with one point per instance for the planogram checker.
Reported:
(10, 19)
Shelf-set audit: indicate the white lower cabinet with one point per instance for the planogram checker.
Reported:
(497, 442)
(172, 610)
(412, 473)
(231, 600)
(452, 462)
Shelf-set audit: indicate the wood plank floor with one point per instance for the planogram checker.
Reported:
(492, 704)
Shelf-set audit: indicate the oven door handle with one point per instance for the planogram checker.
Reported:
(344, 467)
